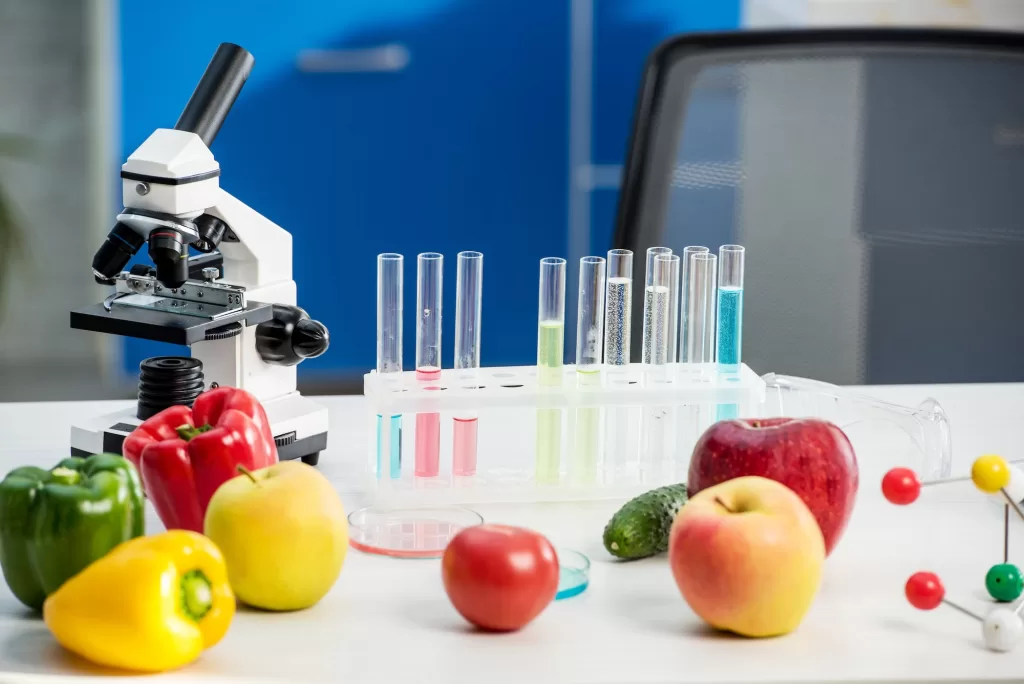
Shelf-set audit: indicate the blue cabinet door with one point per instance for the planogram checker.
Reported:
(461, 148)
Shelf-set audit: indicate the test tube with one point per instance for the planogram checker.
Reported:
(684, 297)
(389, 357)
(550, 351)
(672, 329)
(589, 347)
(656, 296)
(700, 307)
(468, 302)
(730, 304)
(657, 422)
(618, 301)
(429, 268)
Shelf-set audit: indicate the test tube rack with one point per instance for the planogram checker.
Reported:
(658, 416)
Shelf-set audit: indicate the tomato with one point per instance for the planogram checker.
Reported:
(499, 577)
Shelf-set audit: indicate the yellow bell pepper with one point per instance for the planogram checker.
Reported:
(152, 604)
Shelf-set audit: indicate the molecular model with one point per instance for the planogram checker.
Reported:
(1002, 628)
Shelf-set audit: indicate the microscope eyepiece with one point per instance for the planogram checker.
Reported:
(169, 253)
(121, 245)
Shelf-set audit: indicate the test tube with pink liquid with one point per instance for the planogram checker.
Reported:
(468, 301)
(429, 269)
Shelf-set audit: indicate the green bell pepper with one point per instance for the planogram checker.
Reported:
(53, 523)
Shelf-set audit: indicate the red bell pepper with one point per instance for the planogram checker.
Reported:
(184, 454)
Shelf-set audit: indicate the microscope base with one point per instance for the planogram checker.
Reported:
(299, 425)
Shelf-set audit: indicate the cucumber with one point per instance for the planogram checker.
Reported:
(641, 527)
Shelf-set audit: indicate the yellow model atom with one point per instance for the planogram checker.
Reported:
(990, 473)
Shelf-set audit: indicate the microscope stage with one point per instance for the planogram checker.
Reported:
(163, 326)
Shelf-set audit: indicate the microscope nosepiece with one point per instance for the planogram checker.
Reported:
(116, 251)
(169, 253)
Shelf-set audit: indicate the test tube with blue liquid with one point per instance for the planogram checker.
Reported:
(429, 270)
(468, 304)
(729, 334)
(389, 358)
(589, 346)
(550, 364)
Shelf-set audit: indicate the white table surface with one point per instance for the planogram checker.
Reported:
(390, 621)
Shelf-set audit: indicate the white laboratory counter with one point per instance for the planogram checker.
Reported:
(389, 620)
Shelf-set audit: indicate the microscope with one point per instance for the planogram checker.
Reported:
(233, 304)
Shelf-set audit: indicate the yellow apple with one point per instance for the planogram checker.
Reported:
(747, 555)
(283, 533)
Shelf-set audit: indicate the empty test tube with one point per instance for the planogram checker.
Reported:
(468, 304)
(684, 290)
(701, 295)
(550, 352)
(730, 304)
(589, 345)
(656, 304)
(671, 264)
(618, 307)
(429, 269)
(389, 357)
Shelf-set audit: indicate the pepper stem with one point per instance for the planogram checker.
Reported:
(187, 432)
(248, 473)
(196, 595)
(65, 476)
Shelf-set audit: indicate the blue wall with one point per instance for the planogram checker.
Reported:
(466, 148)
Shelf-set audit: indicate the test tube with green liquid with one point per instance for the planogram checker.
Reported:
(589, 347)
(550, 364)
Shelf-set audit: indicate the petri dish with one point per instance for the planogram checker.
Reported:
(573, 573)
(408, 532)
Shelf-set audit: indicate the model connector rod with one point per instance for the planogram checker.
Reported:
(216, 93)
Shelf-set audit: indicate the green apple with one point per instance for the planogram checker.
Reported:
(283, 533)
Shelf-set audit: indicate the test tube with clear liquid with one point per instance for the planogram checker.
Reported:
(389, 359)
(687, 417)
(429, 271)
(589, 347)
(701, 305)
(658, 424)
(550, 365)
(729, 317)
(468, 305)
(617, 327)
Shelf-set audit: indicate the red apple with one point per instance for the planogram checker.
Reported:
(812, 457)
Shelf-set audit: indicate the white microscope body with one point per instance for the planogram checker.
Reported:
(241, 322)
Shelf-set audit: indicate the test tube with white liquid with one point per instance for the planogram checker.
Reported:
(389, 359)
(617, 325)
(589, 345)
(468, 303)
(429, 270)
(656, 307)
(550, 364)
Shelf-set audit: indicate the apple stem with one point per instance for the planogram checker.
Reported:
(248, 473)
(720, 503)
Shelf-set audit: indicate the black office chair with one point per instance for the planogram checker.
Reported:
(876, 178)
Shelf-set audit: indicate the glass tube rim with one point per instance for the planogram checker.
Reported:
(732, 248)
(470, 255)
(595, 260)
(430, 256)
(390, 256)
(620, 252)
(552, 261)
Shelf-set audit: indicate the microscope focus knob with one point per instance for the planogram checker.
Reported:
(290, 336)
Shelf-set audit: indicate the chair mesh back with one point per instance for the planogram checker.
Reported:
(878, 189)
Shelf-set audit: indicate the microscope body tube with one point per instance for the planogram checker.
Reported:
(589, 351)
(216, 92)
(389, 358)
(550, 364)
(468, 309)
(429, 269)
